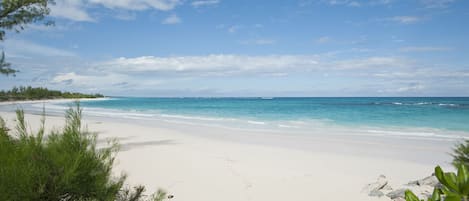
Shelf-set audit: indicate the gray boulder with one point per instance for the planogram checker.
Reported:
(399, 193)
(380, 183)
(376, 193)
(430, 181)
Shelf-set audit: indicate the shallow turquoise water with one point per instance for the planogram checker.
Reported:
(439, 113)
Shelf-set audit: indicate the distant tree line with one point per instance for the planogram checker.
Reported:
(38, 93)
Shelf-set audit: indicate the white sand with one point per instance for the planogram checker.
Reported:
(196, 163)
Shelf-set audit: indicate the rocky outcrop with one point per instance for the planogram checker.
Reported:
(423, 188)
(430, 181)
(374, 189)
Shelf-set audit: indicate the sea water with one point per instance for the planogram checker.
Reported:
(426, 116)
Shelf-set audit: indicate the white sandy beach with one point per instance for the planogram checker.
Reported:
(201, 163)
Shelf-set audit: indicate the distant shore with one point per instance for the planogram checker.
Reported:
(55, 100)
(200, 163)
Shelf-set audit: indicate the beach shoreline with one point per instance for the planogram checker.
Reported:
(196, 162)
(58, 100)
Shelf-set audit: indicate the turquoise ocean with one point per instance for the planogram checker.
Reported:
(417, 116)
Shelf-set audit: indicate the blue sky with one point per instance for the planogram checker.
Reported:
(247, 48)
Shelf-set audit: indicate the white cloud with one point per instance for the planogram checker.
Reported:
(233, 29)
(423, 49)
(223, 64)
(172, 19)
(259, 42)
(350, 3)
(163, 5)
(83, 80)
(354, 4)
(126, 15)
(411, 87)
(324, 39)
(77, 10)
(344, 2)
(371, 63)
(210, 64)
(22, 47)
(204, 3)
(70, 9)
(436, 3)
(381, 2)
(406, 19)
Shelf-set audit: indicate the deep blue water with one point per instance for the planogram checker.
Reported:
(440, 113)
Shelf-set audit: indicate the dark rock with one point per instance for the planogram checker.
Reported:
(376, 193)
(376, 186)
(399, 193)
(430, 181)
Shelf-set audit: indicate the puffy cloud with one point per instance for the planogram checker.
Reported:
(77, 10)
(211, 64)
(411, 87)
(90, 80)
(423, 49)
(324, 39)
(225, 64)
(164, 5)
(406, 19)
(204, 3)
(172, 19)
(258, 42)
(436, 3)
(371, 63)
(71, 9)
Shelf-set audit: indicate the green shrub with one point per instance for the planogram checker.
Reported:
(64, 165)
(454, 187)
(461, 154)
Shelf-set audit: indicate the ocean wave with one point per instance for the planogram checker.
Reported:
(256, 122)
(448, 104)
(287, 126)
(428, 134)
(196, 117)
(422, 103)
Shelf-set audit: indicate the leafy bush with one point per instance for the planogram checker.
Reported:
(461, 154)
(64, 165)
(455, 187)
(38, 93)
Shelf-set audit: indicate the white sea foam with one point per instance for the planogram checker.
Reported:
(196, 117)
(428, 134)
(287, 126)
(423, 103)
(448, 104)
(256, 122)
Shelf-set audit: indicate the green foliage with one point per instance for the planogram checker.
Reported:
(29, 93)
(436, 196)
(66, 165)
(461, 154)
(5, 67)
(455, 187)
(15, 15)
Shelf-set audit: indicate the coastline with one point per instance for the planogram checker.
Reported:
(59, 100)
(205, 163)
